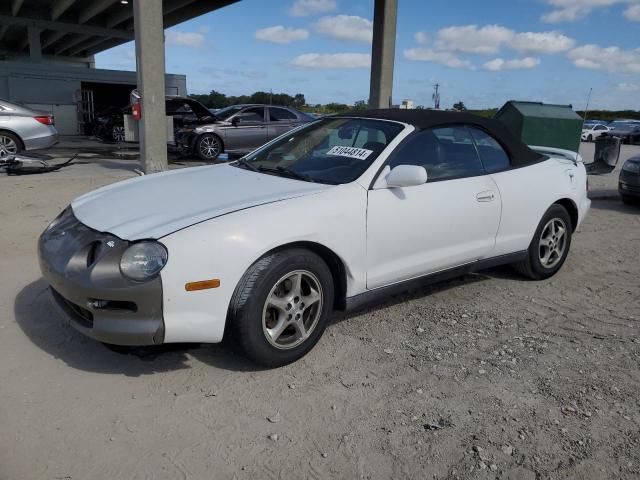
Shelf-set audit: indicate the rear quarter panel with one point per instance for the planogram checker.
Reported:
(528, 192)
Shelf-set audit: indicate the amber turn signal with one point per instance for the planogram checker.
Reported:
(202, 285)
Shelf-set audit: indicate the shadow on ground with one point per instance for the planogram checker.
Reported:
(46, 328)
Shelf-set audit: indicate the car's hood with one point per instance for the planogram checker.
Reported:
(156, 205)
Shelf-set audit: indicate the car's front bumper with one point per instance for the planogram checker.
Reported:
(629, 183)
(82, 267)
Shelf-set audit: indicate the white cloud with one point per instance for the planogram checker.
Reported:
(447, 59)
(633, 13)
(629, 87)
(572, 10)
(498, 64)
(306, 8)
(346, 27)
(185, 39)
(612, 59)
(280, 34)
(332, 60)
(543, 42)
(471, 39)
(421, 38)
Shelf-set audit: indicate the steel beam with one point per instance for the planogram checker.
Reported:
(149, 29)
(71, 42)
(16, 5)
(383, 53)
(96, 7)
(59, 7)
(35, 48)
(66, 27)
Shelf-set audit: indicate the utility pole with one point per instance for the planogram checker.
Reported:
(436, 96)
(586, 109)
(383, 50)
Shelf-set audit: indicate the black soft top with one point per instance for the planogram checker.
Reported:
(519, 153)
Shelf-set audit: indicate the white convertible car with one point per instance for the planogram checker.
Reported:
(329, 216)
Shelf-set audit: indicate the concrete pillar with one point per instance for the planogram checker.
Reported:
(35, 47)
(383, 53)
(149, 34)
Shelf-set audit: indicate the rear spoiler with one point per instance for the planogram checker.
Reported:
(558, 152)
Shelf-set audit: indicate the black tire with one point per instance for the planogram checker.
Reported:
(533, 267)
(630, 200)
(589, 138)
(9, 139)
(249, 311)
(118, 134)
(208, 147)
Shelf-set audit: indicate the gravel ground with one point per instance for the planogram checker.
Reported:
(487, 376)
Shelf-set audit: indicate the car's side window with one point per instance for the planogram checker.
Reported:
(446, 153)
(251, 115)
(599, 127)
(281, 115)
(492, 155)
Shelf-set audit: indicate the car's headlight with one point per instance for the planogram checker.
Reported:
(631, 167)
(143, 260)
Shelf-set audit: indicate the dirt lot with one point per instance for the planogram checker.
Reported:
(488, 376)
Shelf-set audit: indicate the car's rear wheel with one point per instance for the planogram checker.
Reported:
(281, 306)
(208, 147)
(117, 133)
(10, 143)
(550, 245)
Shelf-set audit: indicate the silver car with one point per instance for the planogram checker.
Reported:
(24, 129)
(239, 129)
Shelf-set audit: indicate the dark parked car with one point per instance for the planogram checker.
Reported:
(627, 132)
(239, 129)
(629, 181)
(109, 124)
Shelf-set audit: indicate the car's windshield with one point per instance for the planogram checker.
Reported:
(227, 112)
(333, 150)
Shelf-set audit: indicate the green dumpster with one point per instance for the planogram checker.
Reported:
(542, 124)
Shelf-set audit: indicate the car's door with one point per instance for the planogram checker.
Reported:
(280, 121)
(247, 130)
(448, 221)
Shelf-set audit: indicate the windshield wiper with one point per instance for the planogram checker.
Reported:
(247, 165)
(287, 172)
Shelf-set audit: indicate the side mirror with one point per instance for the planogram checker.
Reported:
(406, 176)
(235, 121)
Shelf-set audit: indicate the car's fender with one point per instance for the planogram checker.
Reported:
(225, 247)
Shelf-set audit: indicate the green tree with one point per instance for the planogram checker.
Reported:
(360, 105)
(459, 106)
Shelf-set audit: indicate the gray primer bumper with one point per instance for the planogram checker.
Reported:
(82, 267)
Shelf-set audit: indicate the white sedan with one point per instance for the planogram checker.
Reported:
(330, 216)
(591, 132)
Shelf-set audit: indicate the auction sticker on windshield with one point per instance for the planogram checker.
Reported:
(351, 152)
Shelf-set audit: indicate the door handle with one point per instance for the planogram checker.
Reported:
(487, 196)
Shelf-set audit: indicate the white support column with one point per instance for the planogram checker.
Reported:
(149, 33)
(35, 47)
(383, 53)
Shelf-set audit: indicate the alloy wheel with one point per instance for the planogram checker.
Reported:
(209, 147)
(118, 134)
(292, 309)
(553, 241)
(8, 144)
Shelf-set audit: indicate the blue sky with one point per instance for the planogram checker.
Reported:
(483, 53)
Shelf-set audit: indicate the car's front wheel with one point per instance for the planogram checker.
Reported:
(550, 245)
(281, 306)
(589, 138)
(208, 147)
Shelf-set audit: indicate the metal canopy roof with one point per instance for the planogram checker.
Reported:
(80, 28)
